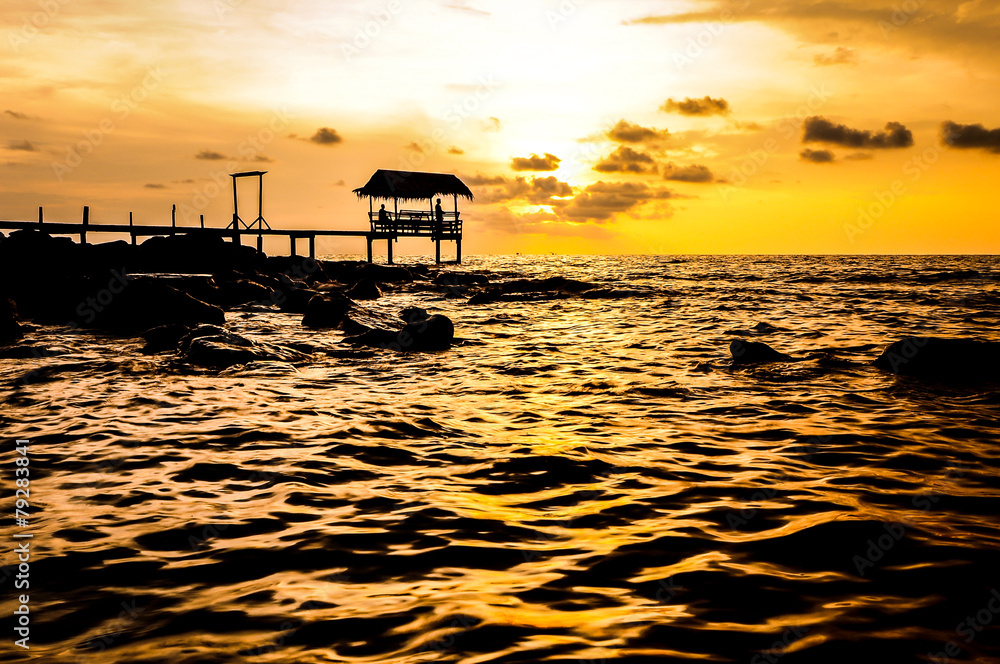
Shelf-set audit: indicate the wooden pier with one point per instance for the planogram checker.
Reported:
(432, 222)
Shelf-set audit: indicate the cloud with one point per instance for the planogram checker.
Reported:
(629, 132)
(25, 146)
(210, 155)
(626, 160)
(820, 130)
(415, 147)
(326, 136)
(549, 162)
(969, 136)
(859, 156)
(491, 124)
(454, 150)
(841, 56)
(16, 115)
(817, 156)
(692, 173)
(340, 183)
(704, 106)
(602, 200)
(155, 185)
(263, 159)
(539, 191)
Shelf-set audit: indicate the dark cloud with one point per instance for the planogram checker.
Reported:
(340, 183)
(455, 150)
(629, 132)
(549, 162)
(210, 155)
(817, 156)
(970, 136)
(155, 185)
(263, 159)
(415, 147)
(704, 106)
(859, 156)
(692, 173)
(602, 200)
(536, 190)
(626, 160)
(820, 130)
(25, 146)
(326, 136)
(841, 56)
(16, 115)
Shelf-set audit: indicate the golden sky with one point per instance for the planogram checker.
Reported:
(582, 126)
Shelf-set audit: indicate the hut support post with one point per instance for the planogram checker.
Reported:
(390, 251)
(369, 238)
(458, 250)
(291, 239)
(86, 222)
(437, 255)
(236, 204)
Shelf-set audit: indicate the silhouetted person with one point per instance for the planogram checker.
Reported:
(383, 216)
(439, 218)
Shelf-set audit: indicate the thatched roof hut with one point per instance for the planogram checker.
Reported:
(412, 186)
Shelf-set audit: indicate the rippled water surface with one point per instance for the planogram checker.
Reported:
(578, 481)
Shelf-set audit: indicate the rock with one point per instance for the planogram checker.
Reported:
(449, 279)
(10, 329)
(427, 334)
(145, 303)
(552, 284)
(413, 314)
(237, 292)
(365, 289)
(193, 253)
(326, 311)
(295, 300)
(219, 349)
(164, 337)
(486, 296)
(942, 359)
(754, 352)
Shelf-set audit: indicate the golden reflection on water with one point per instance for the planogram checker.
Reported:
(583, 479)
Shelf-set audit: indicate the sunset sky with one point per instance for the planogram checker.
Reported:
(582, 126)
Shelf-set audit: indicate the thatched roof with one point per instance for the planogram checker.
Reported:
(412, 186)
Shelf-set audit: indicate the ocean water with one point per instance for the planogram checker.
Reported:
(577, 481)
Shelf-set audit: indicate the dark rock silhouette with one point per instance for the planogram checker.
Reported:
(214, 347)
(942, 359)
(145, 303)
(365, 289)
(421, 333)
(10, 329)
(754, 352)
(326, 311)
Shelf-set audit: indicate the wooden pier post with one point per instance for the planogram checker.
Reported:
(173, 219)
(202, 220)
(40, 215)
(131, 232)
(236, 230)
(260, 244)
(291, 239)
(312, 246)
(86, 222)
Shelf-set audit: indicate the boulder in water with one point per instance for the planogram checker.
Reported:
(10, 329)
(214, 347)
(420, 334)
(145, 303)
(755, 352)
(326, 311)
(942, 359)
(365, 289)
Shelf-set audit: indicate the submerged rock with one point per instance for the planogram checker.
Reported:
(421, 333)
(10, 329)
(326, 311)
(215, 347)
(942, 359)
(755, 352)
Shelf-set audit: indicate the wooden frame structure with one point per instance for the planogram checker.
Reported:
(407, 186)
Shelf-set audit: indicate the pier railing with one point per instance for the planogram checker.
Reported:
(417, 223)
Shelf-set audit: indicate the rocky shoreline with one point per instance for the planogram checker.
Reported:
(175, 292)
